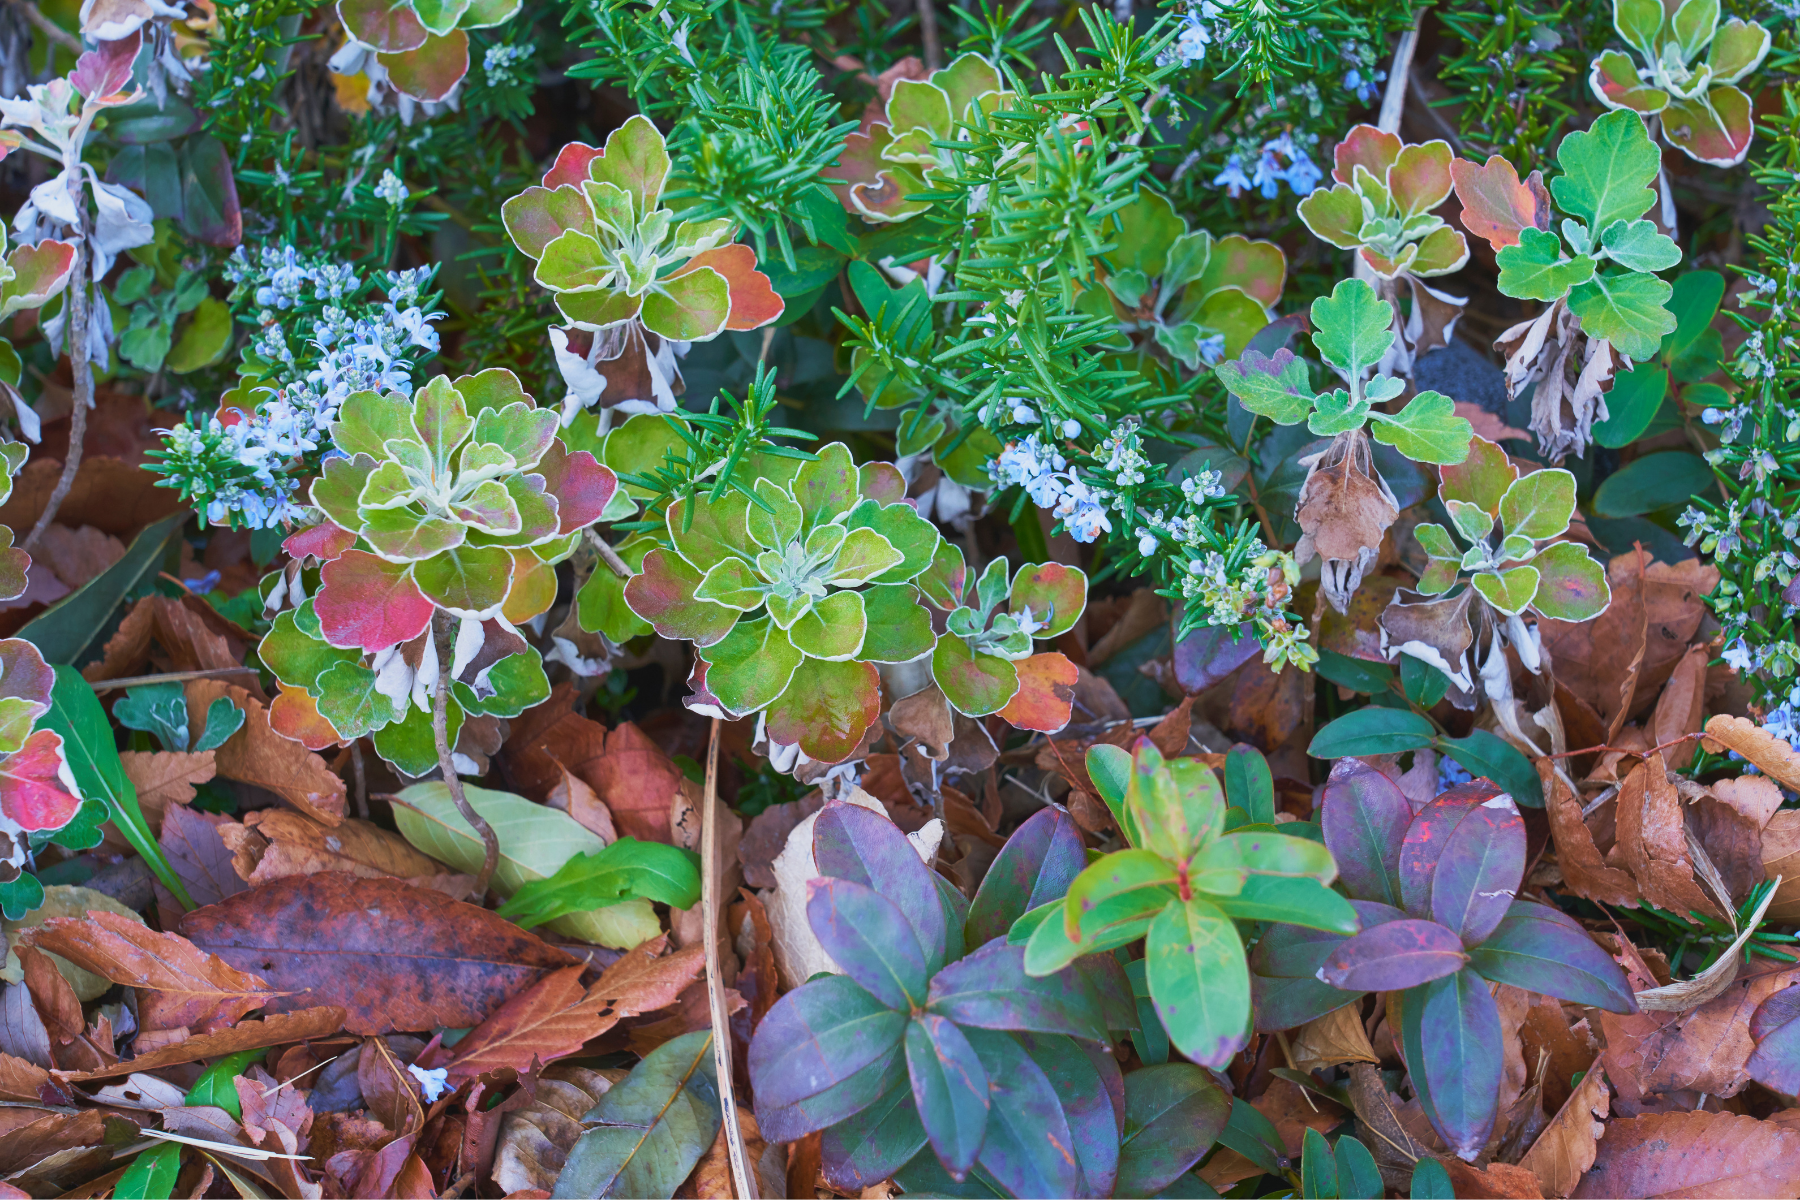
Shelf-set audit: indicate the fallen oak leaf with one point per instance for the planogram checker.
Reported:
(187, 986)
(1694, 1154)
(395, 957)
(276, 1030)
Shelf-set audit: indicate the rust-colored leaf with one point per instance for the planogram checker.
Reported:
(1496, 206)
(1773, 756)
(1499, 1181)
(192, 638)
(1566, 1148)
(257, 755)
(1583, 868)
(1705, 1049)
(28, 1143)
(1711, 1154)
(165, 777)
(389, 1090)
(276, 1030)
(299, 845)
(188, 987)
(1653, 842)
(1679, 707)
(24, 1082)
(395, 957)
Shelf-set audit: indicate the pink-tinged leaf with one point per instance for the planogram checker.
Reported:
(975, 684)
(324, 541)
(1714, 129)
(390, 26)
(1571, 585)
(1776, 1029)
(753, 302)
(1334, 215)
(1427, 836)
(538, 216)
(1479, 871)
(1049, 590)
(15, 572)
(1045, 696)
(368, 603)
(1420, 179)
(39, 273)
(24, 675)
(663, 594)
(571, 166)
(104, 70)
(689, 308)
(859, 162)
(432, 71)
(943, 581)
(295, 715)
(1480, 479)
(1368, 147)
(1496, 206)
(37, 790)
(1399, 954)
(1365, 816)
(581, 486)
(881, 482)
(636, 159)
(1614, 80)
(1256, 268)
(827, 708)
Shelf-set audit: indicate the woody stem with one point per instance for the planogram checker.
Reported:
(444, 631)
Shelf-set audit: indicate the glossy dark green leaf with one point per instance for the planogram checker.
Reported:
(1357, 1176)
(645, 1135)
(990, 990)
(1254, 1136)
(925, 1176)
(850, 842)
(1541, 949)
(1431, 1182)
(1654, 482)
(1029, 1149)
(1486, 755)
(1423, 683)
(20, 895)
(828, 1040)
(1036, 865)
(1450, 1029)
(1296, 900)
(1694, 300)
(1372, 731)
(869, 1146)
(1173, 1115)
(1365, 816)
(1248, 783)
(870, 940)
(1151, 1039)
(1631, 404)
(950, 1090)
(151, 1175)
(64, 630)
(209, 198)
(1318, 1168)
(1357, 674)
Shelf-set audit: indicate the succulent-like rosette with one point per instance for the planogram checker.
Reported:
(881, 169)
(1381, 203)
(419, 47)
(1703, 115)
(985, 660)
(1198, 297)
(38, 794)
(624, 265)
(791, 598)
(461, 499)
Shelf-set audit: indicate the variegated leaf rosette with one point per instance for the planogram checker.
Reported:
(420, 48)
(901, 155)
(1381, 205)
(1702, 114)
(985, 661)
(634, 281)
(1197, 297)
(460, 500)
(792, 598)
(38, 794)
(1512, 567)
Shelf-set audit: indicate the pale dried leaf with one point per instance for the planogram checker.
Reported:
(1770, 754)
(1566, 1148)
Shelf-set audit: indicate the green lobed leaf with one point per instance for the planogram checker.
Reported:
(1536, 269)
(1352, 327)
(1628, 310)
(1426, 430)
(1608, 171)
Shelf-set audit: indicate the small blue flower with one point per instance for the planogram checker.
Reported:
(1365, 89)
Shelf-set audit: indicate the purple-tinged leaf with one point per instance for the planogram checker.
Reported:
(950, 1090)
(815, 1038)
(990, 990)
(1427, 836)
(1282, 1003)
(1086, 1077)
(837, 1103)
(1365, 815)
(1106, 982)
(1286, 963)
(1211, 652)
(851, 842)
(1173, 1115)
(1479, 870)
(1036, 865)
(1400, 954)
(1775, 1063)
(1541, 949)
(1450, 1031)
(1028, 1149)
(870, 1146)
(869, 939)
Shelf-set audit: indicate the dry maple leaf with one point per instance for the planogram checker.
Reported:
(1712, 1154)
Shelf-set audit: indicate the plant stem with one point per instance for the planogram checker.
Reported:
(928, 34)
(102, 685)
(50, 29)
(362, 780)
(743, 1176)
(440, 709)
(82, 384)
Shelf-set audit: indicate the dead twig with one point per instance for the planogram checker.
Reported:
(447, 762)
(131, 681)
(742, 1176)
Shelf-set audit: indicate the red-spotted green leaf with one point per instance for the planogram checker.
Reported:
(389, 25)
(1334, 215)
(688, 308)
(751, 666)
(1479, 870)
(39, 273)
(470, 581)
(1427, 836)
(950, 1090)
(990, 989)
(1715, 128)
(1496, 206)
(1177, 805)
(833, 628)
(432, 71)
(1046, 693)
(1272, 386)
(943, 581)
(1451, 1033)
(1365, 146)
(1049, 590)
(1365, 817)
(976, 684)
(1173, 1114)
(1199, 983)
(817, 1037)
(1571, 585)
(826, 487)
(367, 603)
(1541, 949)
(1124, 886)
(851, 842)
(1036, 866)
(869, 939)
(1613, 78)
(1419, 179)
(37, 789)
(663, 594)
(1482, 478)
(1399, 954)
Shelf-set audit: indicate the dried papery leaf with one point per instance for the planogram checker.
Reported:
(257, 755)
(712, 1175)
(62, 900)
(1694, 1154)
(199, 855)
(191, 640)
(1566, 1148)
(31, 1142)
(1679, 707)
(299, 845)
(1725, 845)
(1583, 868)
(1781, 859)
(23, 1082)
(1328, 1041)
(1344, 509)
(1687, 994)
(163, 778)
(535, 1138)
(1497, 1181)
(572, 795)
(1566, 1050)
(1770, 754)
(1757, 797)
(1653, 842)
(394, 956)
(187, 986)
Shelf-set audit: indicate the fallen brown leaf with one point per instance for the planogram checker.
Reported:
(164, 777)
(1499, 1181)
(188, 987)
(198, 854)
(389, 1090)
(1781, 857)
(1570, 1049)
(1774, 757)
(711, 1176)
(1337, 1037)
(1583, 868)
(48, 1134)
(1679, 707)
(1293, 1110)
(1705, 1049)
(573, 796)
(1566, 1148)
(295, 844)
(192, 636)
(1711, 1154)
(395, 957)
(1756, 796)
(1653, 842)
(24, 1082)
(77, 554)
(110, 493)
(536, 1137)
(259, 756)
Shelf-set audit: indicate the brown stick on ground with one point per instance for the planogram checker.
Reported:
(742, 1171)
(928, 34)
(443, 630)
(76, 327)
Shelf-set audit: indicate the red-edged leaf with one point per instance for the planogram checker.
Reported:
(295, 715)
(1368, 147)
(538, 216)
(753, 302)
(1427, 836)
(324, 541)
(387, 25)
(24, 674)
(881, 482)
(663, 594)
(1399, 954)
(1496, 206)
(827, 708)
(104, 70)
(37, 790)
(39, 272)
(1482, 478)
(433, 70)
(581, 486)
(571, 165)
(368, 603)
(1046, 693)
